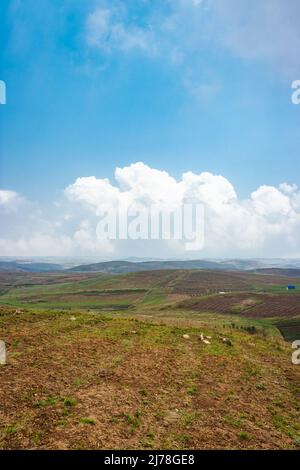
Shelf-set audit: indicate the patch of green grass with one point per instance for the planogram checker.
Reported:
(78, 382)
(188, 418)
(280, 422)
(10, 429)
(244, 436)
(234, 421)
(284, 424)
(275, 289)
(50, 401)
(62, 422)
(154, 297)
(90, 421)
(134, 420)
(192, 390)
(278, 402)
(290, 329)
(37, 437)
(69, 402)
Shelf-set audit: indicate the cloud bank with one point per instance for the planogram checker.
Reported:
(267, 223)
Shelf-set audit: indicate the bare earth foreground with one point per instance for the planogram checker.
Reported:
(143, 379)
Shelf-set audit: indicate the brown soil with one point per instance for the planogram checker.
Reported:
(97, 382)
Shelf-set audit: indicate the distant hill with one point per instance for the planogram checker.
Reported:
(290, 272)
(14, 266)
(272, 267)
(118, 267)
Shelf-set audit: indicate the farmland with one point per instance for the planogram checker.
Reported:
(118, 361)
(249, 304)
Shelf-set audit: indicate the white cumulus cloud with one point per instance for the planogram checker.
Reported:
(267, 223)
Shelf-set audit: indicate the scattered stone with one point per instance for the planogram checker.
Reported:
(204, 339)
(186, 336)
(72, 318)
(133, 332)
(227, 341)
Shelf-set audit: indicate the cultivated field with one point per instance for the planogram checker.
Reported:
(146, 360)
(248, 304)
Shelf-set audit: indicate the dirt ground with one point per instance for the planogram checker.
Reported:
(91, 381)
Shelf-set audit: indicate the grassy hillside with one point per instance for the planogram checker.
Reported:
(157, 359)
(96, 381)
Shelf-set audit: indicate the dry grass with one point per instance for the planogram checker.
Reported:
(120, 383)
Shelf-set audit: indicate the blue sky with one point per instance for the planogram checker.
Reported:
(182, 85)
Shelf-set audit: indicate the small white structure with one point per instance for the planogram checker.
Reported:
(2, 353)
